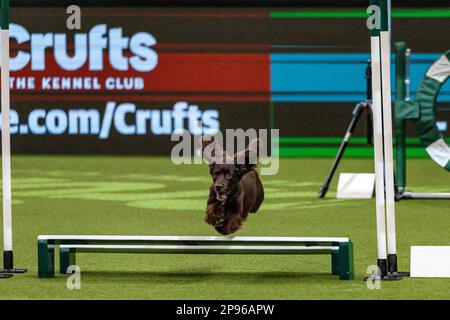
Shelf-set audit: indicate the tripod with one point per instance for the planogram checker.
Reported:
(361, 107)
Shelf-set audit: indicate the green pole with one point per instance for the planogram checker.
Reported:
(5, 14)
(384, 15)
(400, 125)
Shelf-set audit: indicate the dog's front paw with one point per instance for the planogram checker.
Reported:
(231, 225)
(211, 219)
(215, 215)
(223, 230)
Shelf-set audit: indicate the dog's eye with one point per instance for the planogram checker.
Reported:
(229, 175)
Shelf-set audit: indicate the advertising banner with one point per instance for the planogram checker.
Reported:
(130, 77)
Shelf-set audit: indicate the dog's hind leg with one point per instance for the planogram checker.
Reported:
(259, 196)
(255, 208)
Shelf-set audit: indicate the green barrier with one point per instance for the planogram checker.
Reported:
(422, 112)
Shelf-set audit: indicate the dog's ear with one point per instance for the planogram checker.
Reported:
(247, 160)
(211, 150)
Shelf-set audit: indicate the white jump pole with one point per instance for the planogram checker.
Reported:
(383, 147)
(378, 153)
(8, 264)
(385, 43)
(385, 46)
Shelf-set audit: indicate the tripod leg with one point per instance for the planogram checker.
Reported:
(369, 127)
(356, 115)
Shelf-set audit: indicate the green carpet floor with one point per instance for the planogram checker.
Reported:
(151, 196)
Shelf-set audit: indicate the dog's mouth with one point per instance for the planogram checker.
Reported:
(221, 196)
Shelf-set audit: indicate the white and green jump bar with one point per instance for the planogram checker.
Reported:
(340, 249)
(421, 112)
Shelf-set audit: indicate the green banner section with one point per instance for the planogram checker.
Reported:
(361, 13)
(317, 147)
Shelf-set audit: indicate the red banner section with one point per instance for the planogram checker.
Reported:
(204, 75)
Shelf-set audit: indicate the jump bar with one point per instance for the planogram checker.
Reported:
(340, 249)
(423, 195)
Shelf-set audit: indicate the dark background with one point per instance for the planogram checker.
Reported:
(226, 3)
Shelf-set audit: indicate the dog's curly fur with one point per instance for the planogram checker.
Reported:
(236, 189)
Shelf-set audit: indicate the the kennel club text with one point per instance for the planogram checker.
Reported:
(77, 83)
(226, 309)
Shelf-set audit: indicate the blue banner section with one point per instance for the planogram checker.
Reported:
(335, 77)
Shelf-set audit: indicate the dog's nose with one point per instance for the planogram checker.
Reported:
(219, 186)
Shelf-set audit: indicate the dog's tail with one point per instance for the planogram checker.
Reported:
(212, 152)
(206, 141)
(250, 155)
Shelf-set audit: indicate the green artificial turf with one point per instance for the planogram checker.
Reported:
(152, 196)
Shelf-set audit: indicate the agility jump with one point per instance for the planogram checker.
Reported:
(421, 112)
(340, 249)
(337, 247)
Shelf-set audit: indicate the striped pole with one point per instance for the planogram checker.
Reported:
(8, 264)
(384, 166)
(6, 152)
(378, 148)
(385, 45)
(7, 227)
